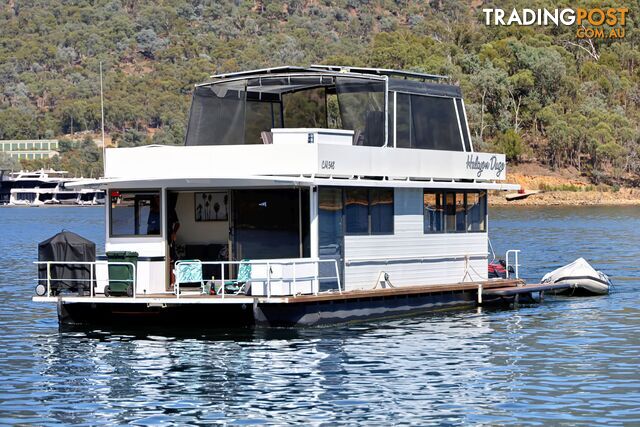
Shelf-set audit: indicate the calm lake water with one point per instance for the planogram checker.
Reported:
(569, 361)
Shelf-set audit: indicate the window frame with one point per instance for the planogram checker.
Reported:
(442, 193)
(136, 191)
(439, 210)
(457, 112)
(484, 206)
(369, 231)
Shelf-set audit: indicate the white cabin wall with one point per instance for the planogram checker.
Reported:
(192, 232)
(151, 275)
(409, 240)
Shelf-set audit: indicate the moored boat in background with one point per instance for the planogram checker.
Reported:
(46, 187)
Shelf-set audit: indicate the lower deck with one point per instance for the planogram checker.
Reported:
(304, 310)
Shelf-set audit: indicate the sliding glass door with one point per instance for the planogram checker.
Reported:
(330, 233)
(271, 223)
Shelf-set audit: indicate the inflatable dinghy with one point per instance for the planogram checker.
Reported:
(583, 278)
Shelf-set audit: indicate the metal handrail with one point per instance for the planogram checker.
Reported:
(415, 257)
(269, 264)
(515, 264)
(92, 265)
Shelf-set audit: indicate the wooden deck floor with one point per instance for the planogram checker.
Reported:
(407, 290)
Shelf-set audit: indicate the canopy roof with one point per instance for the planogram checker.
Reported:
(300, 78)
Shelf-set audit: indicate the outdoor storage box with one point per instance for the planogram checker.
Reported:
(121, 276)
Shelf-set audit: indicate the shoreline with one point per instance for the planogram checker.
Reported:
(623, 197)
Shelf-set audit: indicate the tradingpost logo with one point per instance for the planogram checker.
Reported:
(594, 23)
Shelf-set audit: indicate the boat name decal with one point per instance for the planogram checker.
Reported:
(493, 164)
(328, 164)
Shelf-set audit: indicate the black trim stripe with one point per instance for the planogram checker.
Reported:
(582, 278)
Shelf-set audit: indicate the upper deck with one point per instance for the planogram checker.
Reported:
(322, 121)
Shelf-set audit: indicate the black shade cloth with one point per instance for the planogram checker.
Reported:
(362, 108)
(424, 88)
(68, 247)
(217, 115)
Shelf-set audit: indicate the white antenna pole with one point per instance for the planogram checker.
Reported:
(104, 147)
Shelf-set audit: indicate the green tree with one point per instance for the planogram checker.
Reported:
(8, 163)
(509, 143)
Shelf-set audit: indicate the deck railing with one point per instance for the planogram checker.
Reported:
(298, 274)
(92, 280)
(508, 255)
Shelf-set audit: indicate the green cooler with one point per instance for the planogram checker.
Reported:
(121, 276)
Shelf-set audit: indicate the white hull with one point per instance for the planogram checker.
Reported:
(583, 279)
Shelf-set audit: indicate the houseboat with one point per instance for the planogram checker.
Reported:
(48, 187)
(302, 196)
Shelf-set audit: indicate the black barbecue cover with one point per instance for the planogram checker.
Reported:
(66, 246)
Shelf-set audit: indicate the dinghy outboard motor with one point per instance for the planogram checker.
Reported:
(64, 248)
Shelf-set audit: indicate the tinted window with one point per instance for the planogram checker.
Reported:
(427, 122)
(381, 210)
(305, 109)
(135, 213)
(433, 212)
(450, 212)
(368, 211)
(267, 223)
(217, 115)
(477, 211)
(460, 212)
(261, 117)
(465, 211)
(362, 109)
(403, 121)
(330, 233)
(356, 209)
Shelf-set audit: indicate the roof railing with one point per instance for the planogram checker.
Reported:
(331, 69)
(380, 71)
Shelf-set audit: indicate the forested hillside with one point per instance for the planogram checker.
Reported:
(537, 93)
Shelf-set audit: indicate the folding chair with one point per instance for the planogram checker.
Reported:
(244, 278)
(189, 271)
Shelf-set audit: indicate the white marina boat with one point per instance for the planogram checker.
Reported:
(48, 187)
(581, 277)
(302, 196)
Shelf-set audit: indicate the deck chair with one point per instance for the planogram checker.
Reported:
(241, 283)
(189, 271)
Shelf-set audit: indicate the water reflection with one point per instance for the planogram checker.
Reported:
(569, 361)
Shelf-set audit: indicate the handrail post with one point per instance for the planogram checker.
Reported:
(222, 275)
(293, 285)
(135, 280)
(91, 280)
(48, 278)
(335, 263)
(176, 286)
(268, 280)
